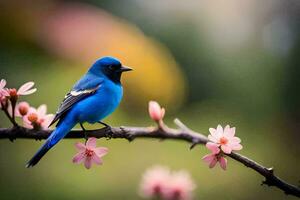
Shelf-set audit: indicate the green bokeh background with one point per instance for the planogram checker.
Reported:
(253, 85)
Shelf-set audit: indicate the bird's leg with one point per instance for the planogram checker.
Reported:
(104, 124)
(84, 130)
(108, 127)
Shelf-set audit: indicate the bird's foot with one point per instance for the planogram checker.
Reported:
(85, 133)
(108, 133)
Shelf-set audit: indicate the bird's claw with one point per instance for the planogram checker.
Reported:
(108, 135)
(108, 132)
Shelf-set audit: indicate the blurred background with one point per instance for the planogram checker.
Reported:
(208, 62)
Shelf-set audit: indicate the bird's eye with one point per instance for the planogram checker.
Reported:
(111, 67)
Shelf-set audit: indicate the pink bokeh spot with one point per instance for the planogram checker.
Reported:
(89, 153)
(158, 182)
(155, 181)
(181, 186)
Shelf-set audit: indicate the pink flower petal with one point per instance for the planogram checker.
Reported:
(101, 151)
(2, 83)
(213, 139)
(42, 110)
(91, 143)
(232, 131)
(223, 163)
(29, 126)
(88, 162)
(214, 133)
(32, 110)
(27, 123)
(235, 140)
(4, 92)
(213, 147)
(213, 163)
(25, 87)
(208, 158)
(80, 147)
(28, 92)
(219, 131)
(96, 159)
(79, 157)
(227, 131)
(236, 147)
(226, 149)
(47, 120)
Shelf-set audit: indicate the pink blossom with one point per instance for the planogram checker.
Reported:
(215, 156)
(225, 138)
(154, 182)
(155, 111)
(37, 118)
(89, 153)
(180, 187)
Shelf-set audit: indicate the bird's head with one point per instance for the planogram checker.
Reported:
(109, 67)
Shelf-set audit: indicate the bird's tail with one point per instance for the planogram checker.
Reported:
(59, 133)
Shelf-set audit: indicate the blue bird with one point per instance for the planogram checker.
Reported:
(96, 95)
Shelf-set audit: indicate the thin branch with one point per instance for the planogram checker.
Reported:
(163, 132)
(11, 119)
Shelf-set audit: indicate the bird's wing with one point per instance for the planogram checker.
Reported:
(82, 89)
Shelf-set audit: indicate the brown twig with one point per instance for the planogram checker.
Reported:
(163, 132)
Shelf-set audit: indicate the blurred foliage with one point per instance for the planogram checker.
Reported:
(208, 62)
(80, 34)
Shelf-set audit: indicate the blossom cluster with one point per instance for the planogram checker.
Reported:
(33, 118)
(159, 182)
(222, 142)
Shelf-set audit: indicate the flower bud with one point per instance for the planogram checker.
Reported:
(155, 111)
(23, 108)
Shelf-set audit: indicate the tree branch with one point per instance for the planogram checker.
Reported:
(163, 132)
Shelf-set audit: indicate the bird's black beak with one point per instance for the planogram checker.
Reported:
(125, 69)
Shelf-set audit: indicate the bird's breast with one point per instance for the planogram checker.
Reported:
(102, 103)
